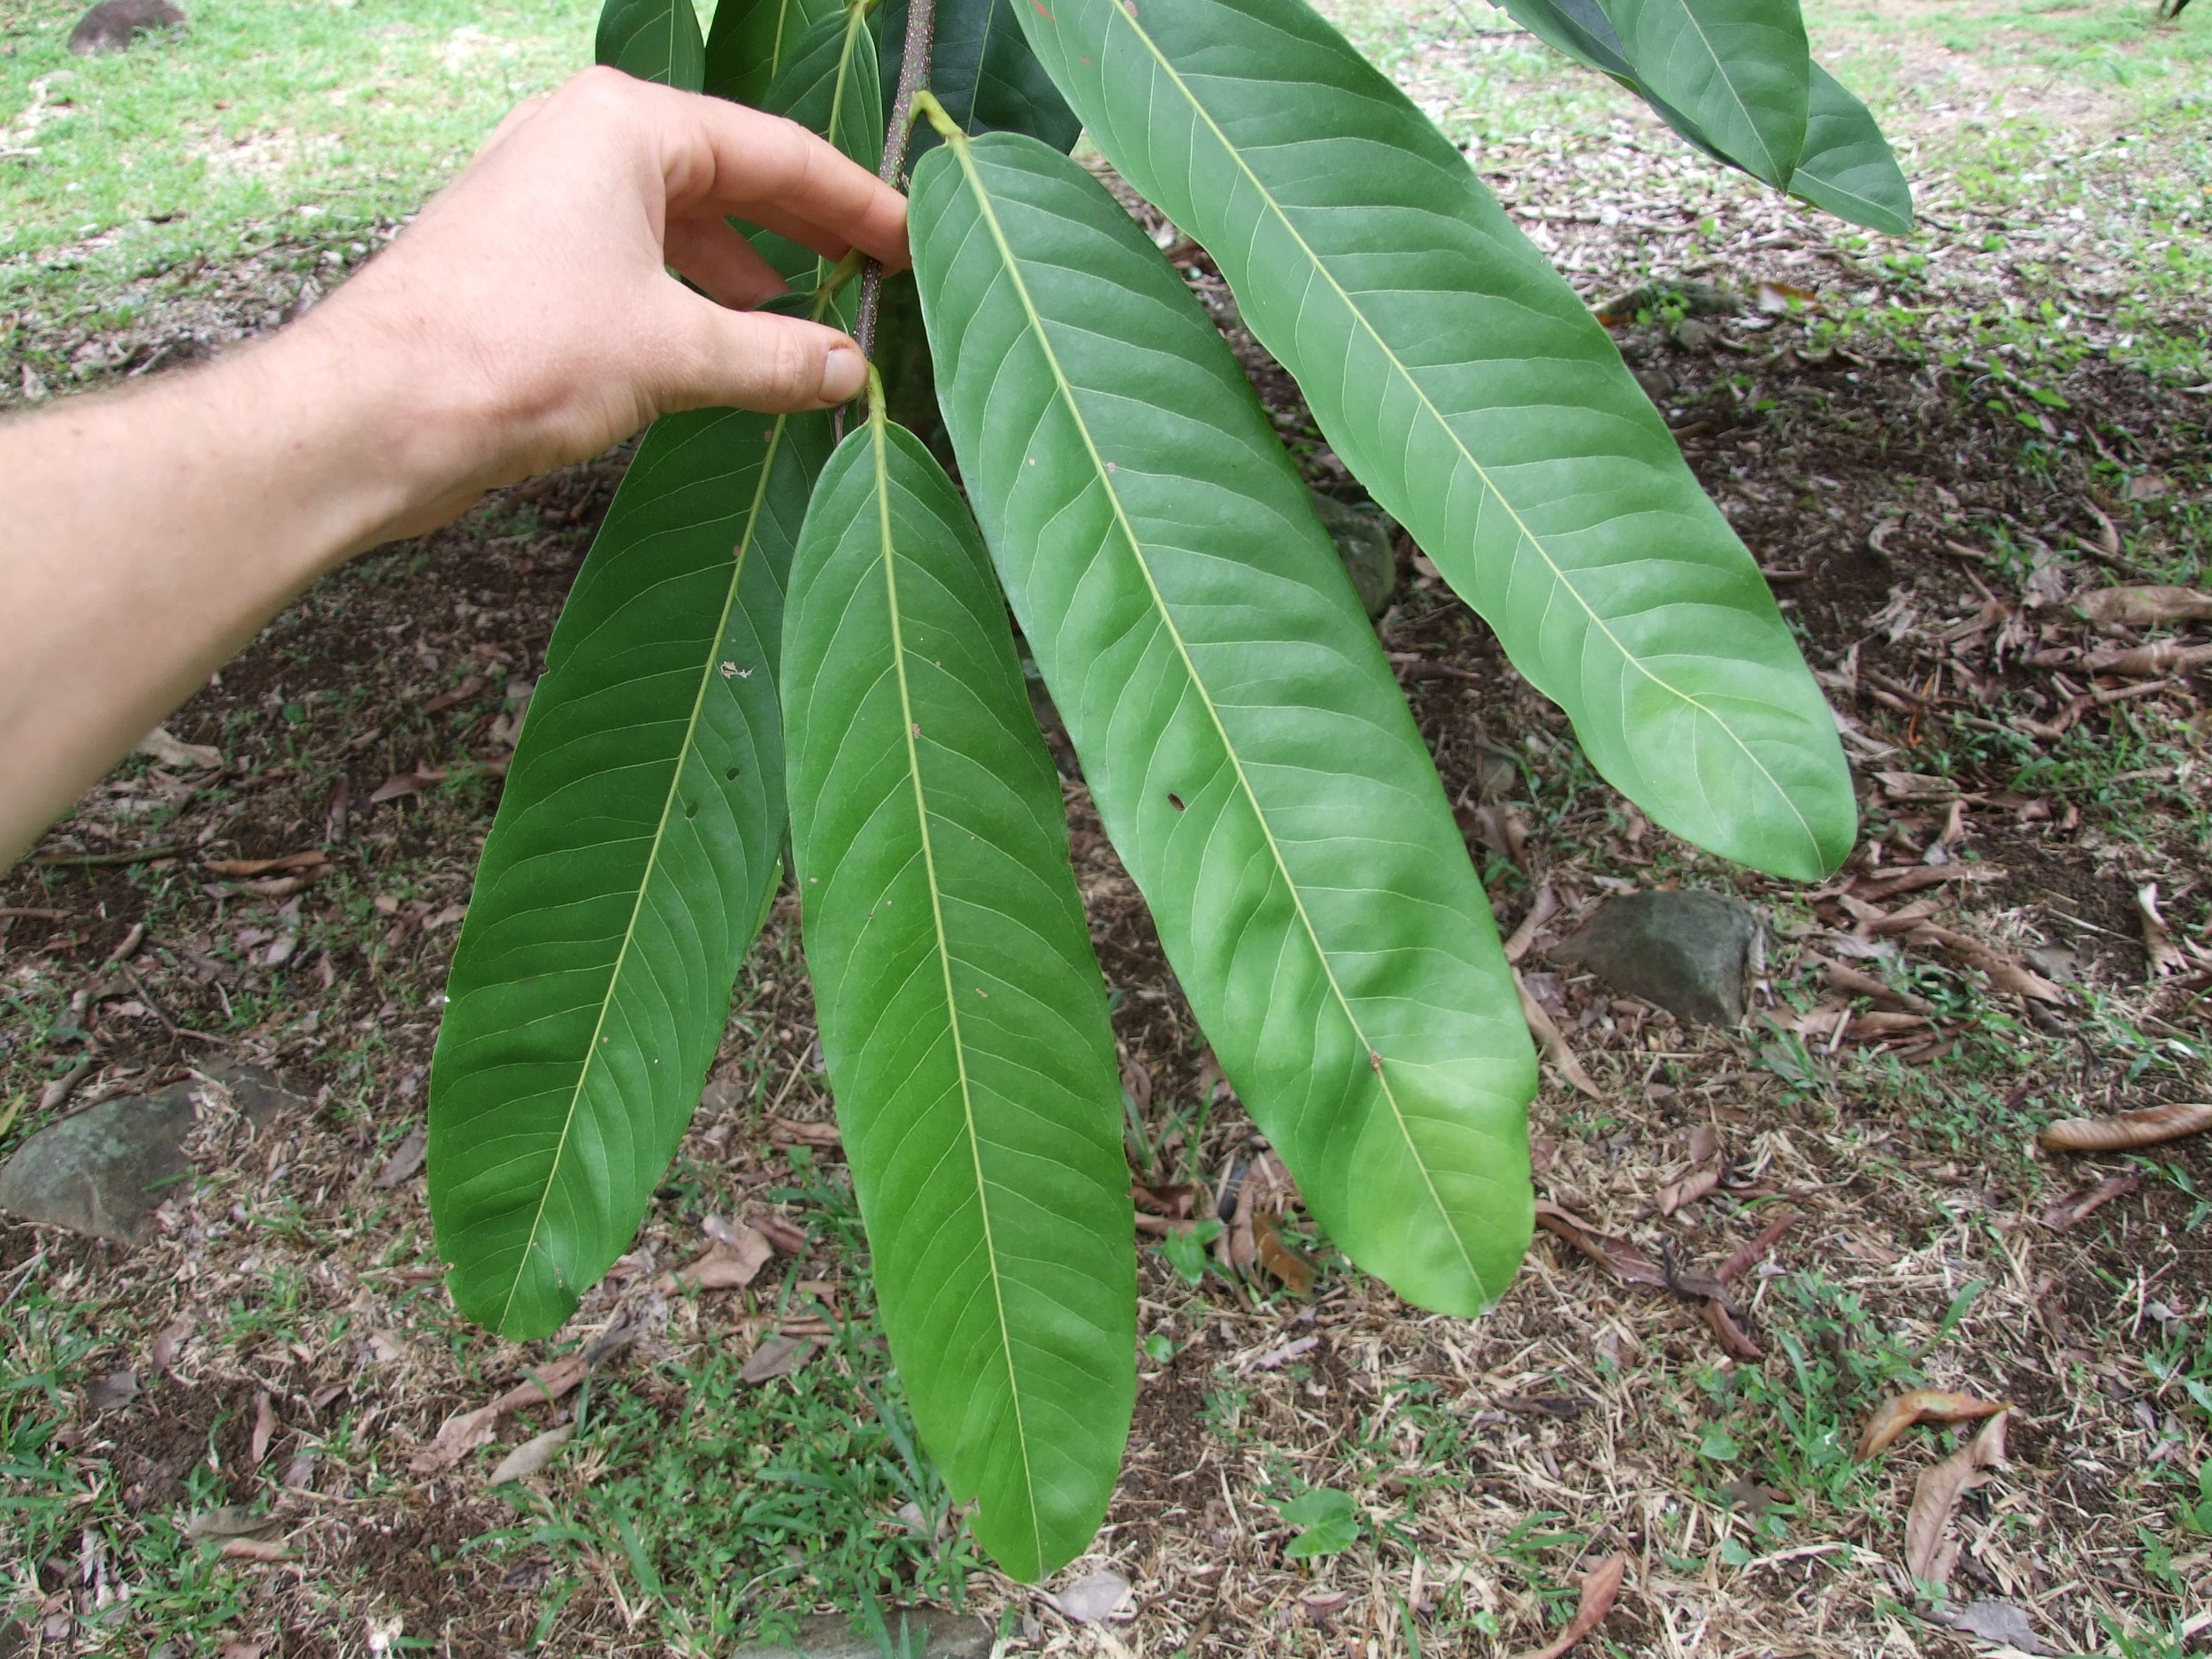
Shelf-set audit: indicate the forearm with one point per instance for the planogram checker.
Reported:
(148, 535)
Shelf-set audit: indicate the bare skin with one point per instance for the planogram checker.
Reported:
(526, 320)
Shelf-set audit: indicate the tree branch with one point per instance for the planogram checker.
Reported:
(921, 31)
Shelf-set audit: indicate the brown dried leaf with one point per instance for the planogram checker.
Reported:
(1618, 1256)
(781, 1235)
(407, 1157)
(2158, 943)
(1553, 1041)
(2078, 1204)
(2148, 661)
(406, 783)
(1894, 1417)
(777, 1357)
(785, 1131)
(2145, 607)
(1938, 1491)
(531, 1457)
(1696, 1185)
(264, 1429)
(1753, 1251)
(253, 1549)
(724, 1266)
(1173, 1200)
(1733, 1339)
(1541, 908)
(2143, 1128)
(1599, 1587)
(171, 1342)
(547, 1382)
(2003, 972)
(265, 866)
(160, 745)
(1278, 1257)
(459, 1435)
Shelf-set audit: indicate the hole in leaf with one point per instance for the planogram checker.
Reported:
(1175, 800)
(691, 809)
(730, 776)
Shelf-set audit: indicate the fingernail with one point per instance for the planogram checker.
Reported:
(843, 375)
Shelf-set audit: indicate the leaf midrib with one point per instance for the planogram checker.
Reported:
(879, 425)
(1420, 393)
(586, 1072)
(1720, 67)
(960, 146)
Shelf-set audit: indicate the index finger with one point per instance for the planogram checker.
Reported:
(723, 158)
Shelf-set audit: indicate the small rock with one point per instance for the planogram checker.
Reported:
(112, 25)
(940, 1635)
(1363, 534)
(2054, 962)
(1657, 383)
(1685, 951)
(1693, 335)
(103, 1170)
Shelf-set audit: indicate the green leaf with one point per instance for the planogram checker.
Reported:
(654, 40)
(1328, 1521)
(982, 71)
(828, 84)
(1847, 167)
(963, 1019)
(1740, 70)
(629, 867)
(752, 41)
(1186, 1251)
(1239, 730)
(1470, 390)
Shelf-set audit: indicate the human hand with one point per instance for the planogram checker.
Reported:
(528, 310)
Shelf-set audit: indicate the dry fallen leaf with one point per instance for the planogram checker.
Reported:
(2004, 973)
(1277, 1357)
(1618, 1256)
(1894, 1417)
(2145, 607)
(171, 1342)
(1998, 1622)
(2158, 941)
(2083, 1201)
(531, 1457)
(1553, 1041)
(1541, 908)
(160, 745)
(406, 1158)
(463, 1432)
(117, 1389)
(264, 1429)
(730, 1266)
(406, 783)
(784, 1132)
(1753, 1251)
(2143, 1128)
(1697, 1184)
(230, 1520)
(1278, 1258)
(253, 1549)
(2148, 661)
(777, 1357)
(780, 1232)
(1089, 1599)
(1600, 1586)
(1937, 1494)
(288, 863)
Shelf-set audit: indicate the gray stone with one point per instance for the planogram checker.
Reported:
(936, 1633)
(1363, 534)
(1685, 951)
(103, 1171)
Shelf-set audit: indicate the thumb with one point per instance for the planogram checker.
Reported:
(758, 360)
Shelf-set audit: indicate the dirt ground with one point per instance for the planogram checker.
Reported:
(1931, 513)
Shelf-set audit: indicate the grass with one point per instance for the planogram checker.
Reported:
(264, 120)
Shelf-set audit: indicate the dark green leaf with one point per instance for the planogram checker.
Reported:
(1470, 390)
(982, 71)
(963, 1019)
(1241, 735)
(1328, 1523)
(1848, 168)
(753, 40)
(1740, 71)
(630, 866)
(654, 40)
(829, 85)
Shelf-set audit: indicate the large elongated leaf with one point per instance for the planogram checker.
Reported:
(963, 1017)
(1470, 389)
(983, 72)
(1247, 749)
(654, 40)
(1741, 70)
(828, 83)
(1847, 167)
(632, 861)
(629, 867)
(752, 41)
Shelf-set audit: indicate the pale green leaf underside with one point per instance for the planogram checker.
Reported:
(654, 40)
(1240, 732)
(963, 1019)
(1467, 385)
(1740, 69)
(1848, 168)
(752, 41)
(635, 846)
